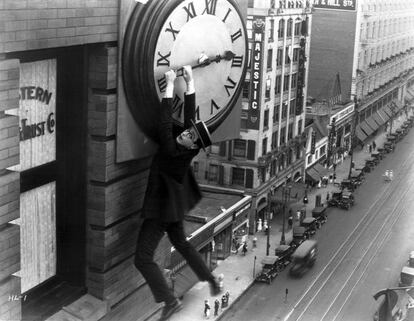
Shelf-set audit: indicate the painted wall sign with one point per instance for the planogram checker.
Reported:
(335, 4)
(37, 114)
(253, 120)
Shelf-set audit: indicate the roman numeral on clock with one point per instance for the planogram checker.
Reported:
(237, 61)
(172, 30)
(190, 11)
(210, 7)
(231, 85)
(177, 106)
(197, 113)
(214, 106)
(163, 60)
(162, 84)
(227, 14)
(236, 35)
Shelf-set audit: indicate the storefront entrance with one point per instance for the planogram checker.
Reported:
(53, 117)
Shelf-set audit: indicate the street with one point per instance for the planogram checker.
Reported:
(360, 252)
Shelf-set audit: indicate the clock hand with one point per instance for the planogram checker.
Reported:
(228, 55)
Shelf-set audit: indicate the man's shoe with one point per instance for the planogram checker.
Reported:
(215, 287)
(170, 309)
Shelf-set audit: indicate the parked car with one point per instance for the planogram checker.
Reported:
(320, 214)
(271, 266)
(309, 223)
(284, 252)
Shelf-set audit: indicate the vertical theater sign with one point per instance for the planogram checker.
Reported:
(256, 73)
(37, 147)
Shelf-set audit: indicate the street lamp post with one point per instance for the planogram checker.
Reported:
(286, 194)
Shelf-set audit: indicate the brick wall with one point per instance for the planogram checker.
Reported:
(10, 304)
(39, 24)
(115, 195)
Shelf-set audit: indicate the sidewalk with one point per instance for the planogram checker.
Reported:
(239, 270)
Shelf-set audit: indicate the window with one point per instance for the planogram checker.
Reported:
(215, 148)
(264, 146)
(269, 58)
(274, 140)
(290, 131)
(286, 83)
(271, 30)
(300, 127)
(287, 55)
(278, 84)
(268, 85)
(289, 28)
(238, 176)
(309, 159)
(283, 135)
(294, 80)
(243, 120)
(250, 4)
(292, 107)
(279, 58)
(322, 150)
(246, 87)
(266, 119)
(213, 173)
(281, 30)
(195, 167)
(295, 54)
(284, 111)
(276, 113)
(297, 28)
(239, 148)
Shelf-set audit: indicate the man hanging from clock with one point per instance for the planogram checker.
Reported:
(171, 192)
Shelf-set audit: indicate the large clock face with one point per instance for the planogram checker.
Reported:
(202, 27)
(169, 34)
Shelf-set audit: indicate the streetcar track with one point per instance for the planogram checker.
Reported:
(356, 234)
(380, 247)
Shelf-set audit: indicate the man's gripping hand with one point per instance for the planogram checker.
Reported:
(188, 77)
(170, 78)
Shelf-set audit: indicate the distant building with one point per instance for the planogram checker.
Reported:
(270, 150)
(370, 44)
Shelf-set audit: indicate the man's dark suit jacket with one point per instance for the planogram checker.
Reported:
(172, 190)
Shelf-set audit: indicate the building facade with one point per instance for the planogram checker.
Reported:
(69, 212)
(270, 150)
(370, 44)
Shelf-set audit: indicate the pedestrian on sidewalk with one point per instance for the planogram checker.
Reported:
(254, 241)
(207, 309)
(374, 146)
(370, 148)
(216, 307)
(244, 249)
(327, 198)
(172, 191)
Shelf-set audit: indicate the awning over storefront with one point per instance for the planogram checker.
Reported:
(378, 119)
(383, 115)
(366, 128)
(314, 175)
(320, 169)
(360, 134)
(388, 111)
(297, 191)
(399, 105)
(371, 122)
